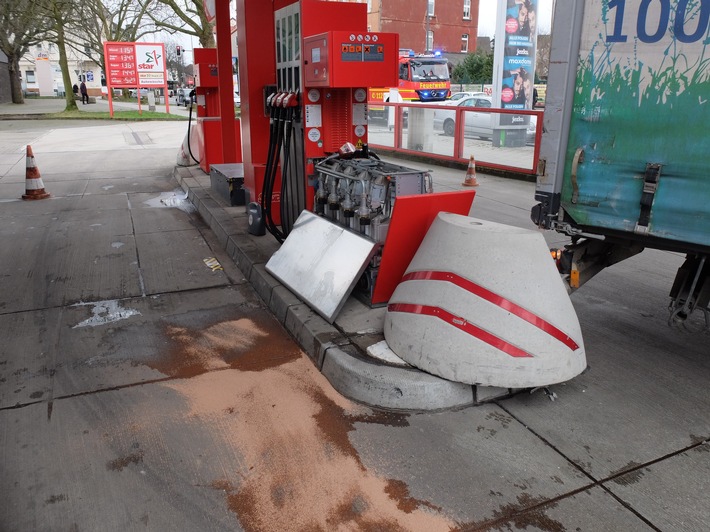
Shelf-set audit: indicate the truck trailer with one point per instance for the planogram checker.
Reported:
(625, 150)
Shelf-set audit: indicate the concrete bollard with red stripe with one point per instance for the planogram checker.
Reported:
(34, 187)
(483, 303)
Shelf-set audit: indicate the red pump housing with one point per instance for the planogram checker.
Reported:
(208, 131)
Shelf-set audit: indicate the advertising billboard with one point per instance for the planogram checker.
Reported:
(135, 65)
(518, 62)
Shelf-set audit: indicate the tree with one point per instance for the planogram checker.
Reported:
(59, 15)
(182, 16)
(476, 68)
(22, 26)
(108, 20)
(543, 57)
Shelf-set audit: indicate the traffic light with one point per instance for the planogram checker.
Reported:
(178, 49)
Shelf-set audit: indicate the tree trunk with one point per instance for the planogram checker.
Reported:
(15, 81)
(68, 92)
(206, 37)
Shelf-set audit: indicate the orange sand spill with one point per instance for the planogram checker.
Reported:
(302, 472)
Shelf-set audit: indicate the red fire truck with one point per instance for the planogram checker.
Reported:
(422, 77)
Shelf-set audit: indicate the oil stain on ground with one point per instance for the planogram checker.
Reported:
(514, 517)
(120, 463)
(632, 477)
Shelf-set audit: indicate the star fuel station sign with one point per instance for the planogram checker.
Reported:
(134, 65)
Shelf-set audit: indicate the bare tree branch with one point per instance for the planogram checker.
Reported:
(22, 26)
(183, 16)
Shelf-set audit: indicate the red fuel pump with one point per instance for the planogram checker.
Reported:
(304, 83)
(326, 74)
(270, 38)
(208, 137)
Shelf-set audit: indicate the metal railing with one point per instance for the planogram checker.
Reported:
(497, 138)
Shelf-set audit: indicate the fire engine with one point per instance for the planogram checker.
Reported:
(422, 77)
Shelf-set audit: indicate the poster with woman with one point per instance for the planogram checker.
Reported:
(519, 54)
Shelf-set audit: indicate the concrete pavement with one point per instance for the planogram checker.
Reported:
(141, 388)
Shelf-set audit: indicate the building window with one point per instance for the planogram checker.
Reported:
(429, 41)
(464, 42)
(30, 76)
(369, 7)
(467, 9)
(430, 8)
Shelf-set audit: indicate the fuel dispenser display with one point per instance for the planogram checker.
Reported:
(338, 68)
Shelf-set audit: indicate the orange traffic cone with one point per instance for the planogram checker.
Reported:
(470, 180)
(34, 187)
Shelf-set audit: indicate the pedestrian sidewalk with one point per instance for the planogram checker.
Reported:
(35, 108)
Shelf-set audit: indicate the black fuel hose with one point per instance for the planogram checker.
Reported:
(189, 121)
(270, 175)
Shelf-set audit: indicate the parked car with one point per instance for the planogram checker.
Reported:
(133, 92)
(476, 123)
(456, 96)
(182, 96)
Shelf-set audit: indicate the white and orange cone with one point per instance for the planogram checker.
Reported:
(471, 180)
(34, 187)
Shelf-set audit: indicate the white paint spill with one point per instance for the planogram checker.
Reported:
(107, 187)
(95, 225)
(105, 312)
(172, 199)
(117, 245)
(9, 200)
(381, 351)
(372, 330)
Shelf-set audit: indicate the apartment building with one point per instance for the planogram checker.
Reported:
(448, 26)
(42, 75)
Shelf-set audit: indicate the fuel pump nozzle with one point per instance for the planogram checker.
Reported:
(290, 100)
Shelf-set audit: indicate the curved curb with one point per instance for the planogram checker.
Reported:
(384, 386)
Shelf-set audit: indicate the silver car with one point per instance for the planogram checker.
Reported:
(477, 123)
(456, 96)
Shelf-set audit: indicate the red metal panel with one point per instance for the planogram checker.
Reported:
(411, 218)
(205, 56)
(226, 94)
(337, 119)
(257, 68)
(210, 149)
(351, 59)
(206, 75)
